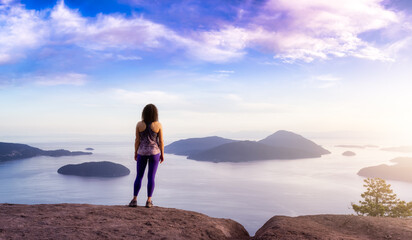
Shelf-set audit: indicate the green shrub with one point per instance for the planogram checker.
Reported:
(379, 200)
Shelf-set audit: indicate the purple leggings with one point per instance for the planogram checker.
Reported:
(141, 166)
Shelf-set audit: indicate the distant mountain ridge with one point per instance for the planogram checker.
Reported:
(13, 151)
(280, 145)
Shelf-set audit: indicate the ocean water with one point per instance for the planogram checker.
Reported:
(250, 193)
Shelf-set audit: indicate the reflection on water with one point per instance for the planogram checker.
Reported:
(249, 193)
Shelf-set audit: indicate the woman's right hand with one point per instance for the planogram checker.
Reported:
(135, 156)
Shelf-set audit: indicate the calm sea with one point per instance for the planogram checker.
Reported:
(249, 193)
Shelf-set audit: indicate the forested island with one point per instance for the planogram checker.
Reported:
(95, 169)
(280, 145)
(13, 151)
(401, 171)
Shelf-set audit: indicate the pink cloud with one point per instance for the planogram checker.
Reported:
(319, 29)
(290, 30)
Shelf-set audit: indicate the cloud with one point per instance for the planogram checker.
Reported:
(309, 30)
(106, 31)
(327, 78)
(220, 74)
(144, 97)
(395, 49)
(299, 30)
(20, 31)
(6, 2)
(233, 97)
(128, 58)
(23, 30)
(225, 71)
(116, 32)
(223, 45)
(324, 81)
(290, 30)
(75, 79)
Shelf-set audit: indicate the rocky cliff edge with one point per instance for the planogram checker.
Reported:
(83, 221)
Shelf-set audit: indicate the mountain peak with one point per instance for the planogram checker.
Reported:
(283, 133)
(283, 138)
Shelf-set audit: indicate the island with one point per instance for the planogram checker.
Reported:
(371, 146)
(358, 146)
(348, 153)
(190, 146)
(280, 145)
(403, 149)
(95, 169)
(14, 151)
(244, 151)
(287, 139)
(350, 146)
(401, 171)
(89, 149)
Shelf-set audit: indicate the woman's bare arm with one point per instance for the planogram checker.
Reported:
(161, 144)
(136, 142)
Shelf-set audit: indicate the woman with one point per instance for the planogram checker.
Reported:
(149, 148)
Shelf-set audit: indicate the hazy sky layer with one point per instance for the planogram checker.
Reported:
(320, 67)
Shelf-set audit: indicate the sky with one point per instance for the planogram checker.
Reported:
(241, 69)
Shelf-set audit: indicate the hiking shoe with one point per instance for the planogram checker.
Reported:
(133, 203)
(149, 204)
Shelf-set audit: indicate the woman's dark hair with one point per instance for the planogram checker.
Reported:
(149, 113)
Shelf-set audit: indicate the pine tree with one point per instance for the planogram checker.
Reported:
(379, 200)
(402, 209)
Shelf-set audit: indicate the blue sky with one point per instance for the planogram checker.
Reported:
(212, 67)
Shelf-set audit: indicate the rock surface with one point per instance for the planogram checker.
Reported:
(82, 221)
(348, 153)
(335, 227)
(95, 169)
(401, 171)
(14, 151)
